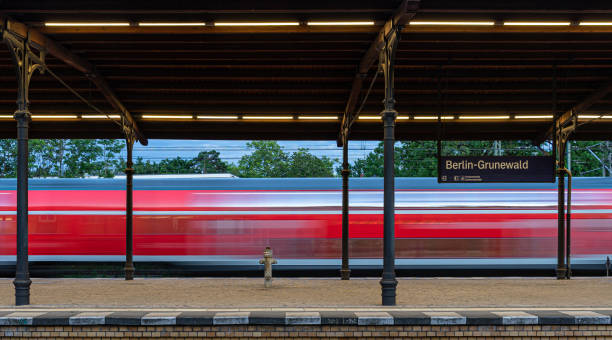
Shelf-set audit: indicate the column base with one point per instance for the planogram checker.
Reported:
(345, 274)
(561, 274)
(129, 272)
(388, 291)
(22, 291)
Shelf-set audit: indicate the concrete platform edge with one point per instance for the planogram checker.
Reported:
(380, 317)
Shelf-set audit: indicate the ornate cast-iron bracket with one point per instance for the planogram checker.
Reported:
(563, 132)
(26, 64)
(387, 67)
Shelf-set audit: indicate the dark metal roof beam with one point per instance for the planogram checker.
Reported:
(43, 43)
(404, 13)
(568, 115)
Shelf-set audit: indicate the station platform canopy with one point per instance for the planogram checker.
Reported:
(286, 70)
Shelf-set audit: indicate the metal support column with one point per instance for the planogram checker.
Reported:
(22, 280)
(561, 273)
(562, 133)
(129, 172)
(387, 62)
(345, 272)
(26, 63)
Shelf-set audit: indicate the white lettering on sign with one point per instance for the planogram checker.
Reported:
(487, 165)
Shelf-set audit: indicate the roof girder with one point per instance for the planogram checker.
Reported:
(41, 42)
(404, 13)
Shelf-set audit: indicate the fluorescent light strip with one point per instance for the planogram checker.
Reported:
(370, 118)
(595, 23)
(167, 117)
(534, 117)
(85, 24)
(6, 117)
(318, 117)
(55, 116)
(402, 118)
(218, 117)
(257, 23)
(536, 23)
(340, 23)
(484, 117)
(433, 117)
(594, 116)
(171, 24)
(267, 117)
(100, 116)
(453, 23)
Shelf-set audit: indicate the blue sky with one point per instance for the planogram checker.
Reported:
(231, 151)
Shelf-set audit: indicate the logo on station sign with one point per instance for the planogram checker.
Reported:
(483, 169)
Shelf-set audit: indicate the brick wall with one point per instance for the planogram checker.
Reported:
(305, 332)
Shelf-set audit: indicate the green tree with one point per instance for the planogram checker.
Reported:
(209, 162)
(267, 160)
(82, 158)
(304, 164)
(141, 167)
(591, 158)
(108, 161)
(177, 165)
(8, 155)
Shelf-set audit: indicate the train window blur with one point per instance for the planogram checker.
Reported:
(229, 221)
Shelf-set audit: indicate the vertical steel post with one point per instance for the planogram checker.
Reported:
(345, 272)
(388, 281)
(22, 280)
(129, 172)
(25, 66)
(561, 269)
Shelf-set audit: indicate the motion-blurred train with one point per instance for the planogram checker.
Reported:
(227, 222)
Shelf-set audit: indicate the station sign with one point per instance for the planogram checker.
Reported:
(496, 169)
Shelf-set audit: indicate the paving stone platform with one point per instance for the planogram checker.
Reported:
(237, 293)
(365, 317)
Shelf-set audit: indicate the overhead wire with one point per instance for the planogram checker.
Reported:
(73, 91)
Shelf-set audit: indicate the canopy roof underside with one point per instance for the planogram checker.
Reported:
(488, 81)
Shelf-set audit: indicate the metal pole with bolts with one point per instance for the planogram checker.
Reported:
(22, 280)
(345, 272)
(129, 172)
(387, 61)
(26, 63)
(561, 270)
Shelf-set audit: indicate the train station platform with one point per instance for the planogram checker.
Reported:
(312, 292)
(309, 308)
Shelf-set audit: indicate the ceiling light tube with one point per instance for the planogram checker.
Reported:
(257, 23)
(402, 118)
(533, 117)
(370, 118)
(606, 117)
(85, 24)
(484, 117)
(318, 117)
(6, 117)
(433, 117)
(341, 23)
(595, 23)
(217, 117)
(589, 116)
(100, 116)
(167, 117)
(453, 23)
(171, 24)
(536, 23)
(54, 117)
(267, 117)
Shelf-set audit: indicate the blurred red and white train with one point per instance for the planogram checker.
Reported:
(227, 222)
